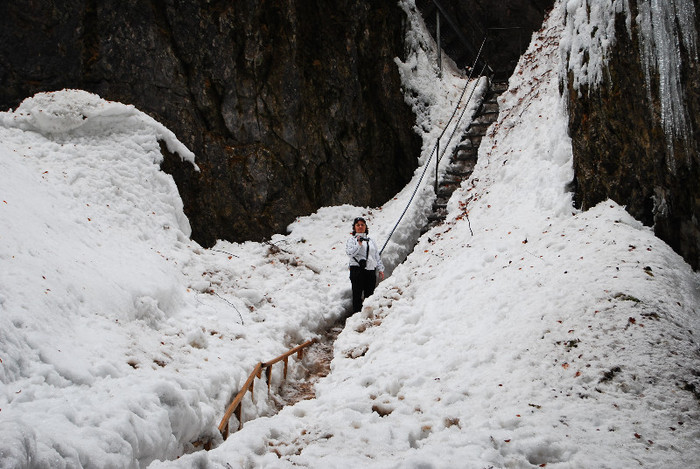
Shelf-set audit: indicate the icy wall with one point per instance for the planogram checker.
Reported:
(663, 28)
(631, 80)
(666, 26)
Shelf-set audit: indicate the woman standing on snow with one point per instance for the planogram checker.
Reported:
(364, 263)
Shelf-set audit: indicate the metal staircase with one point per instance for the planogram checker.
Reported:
(463, 159)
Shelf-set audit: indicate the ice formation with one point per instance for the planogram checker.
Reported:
(664, 27)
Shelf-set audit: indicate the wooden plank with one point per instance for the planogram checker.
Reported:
(236, 407)
(239, 397)
(239, 415)
(290, 352)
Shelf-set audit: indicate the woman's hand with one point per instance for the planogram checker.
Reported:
(381, 275)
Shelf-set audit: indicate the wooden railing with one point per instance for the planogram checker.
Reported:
(235, 407)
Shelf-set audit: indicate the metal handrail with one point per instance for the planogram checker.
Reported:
(235, 407)
(436, 148)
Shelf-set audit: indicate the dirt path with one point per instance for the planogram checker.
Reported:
(315, 365)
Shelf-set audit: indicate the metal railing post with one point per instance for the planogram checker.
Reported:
(439, 43)
(437, 162)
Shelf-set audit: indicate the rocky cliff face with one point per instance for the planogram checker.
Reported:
(288, 105)
(621, 150)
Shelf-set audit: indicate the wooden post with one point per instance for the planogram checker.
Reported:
(236, 406)
(239, 415)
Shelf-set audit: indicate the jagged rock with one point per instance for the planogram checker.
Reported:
(288, 106)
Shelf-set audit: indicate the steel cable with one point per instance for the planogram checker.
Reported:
(437, 143)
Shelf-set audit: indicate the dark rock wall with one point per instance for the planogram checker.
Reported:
(506, 25)
(288, 105)
(620, 149)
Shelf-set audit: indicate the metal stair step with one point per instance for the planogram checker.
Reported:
(460, 170)
(452, 179)
(434, 217)
(465, 168)
(499, 86)
(477, 130)
(489, 107)
(466, 146)
(468, 153)
(447, 191)
(475, 139)
(486, 119)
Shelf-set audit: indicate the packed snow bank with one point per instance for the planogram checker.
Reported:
(79, 113)
(84, 288)
(548, 337)
(121, 340)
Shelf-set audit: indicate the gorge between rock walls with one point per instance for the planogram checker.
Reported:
(290, 108)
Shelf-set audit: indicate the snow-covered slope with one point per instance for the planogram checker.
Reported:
(121, 340)
(521, 333)
(548, 337)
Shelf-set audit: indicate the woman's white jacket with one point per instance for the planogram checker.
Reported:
(357, 251)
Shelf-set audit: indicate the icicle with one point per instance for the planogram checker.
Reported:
(664, 25)
(589, 33)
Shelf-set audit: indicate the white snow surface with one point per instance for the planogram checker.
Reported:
(521, 333)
